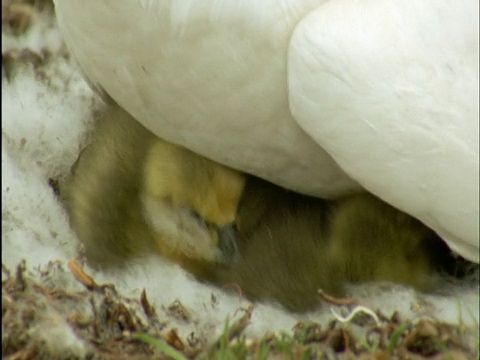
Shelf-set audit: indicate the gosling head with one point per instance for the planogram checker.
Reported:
(191, 204)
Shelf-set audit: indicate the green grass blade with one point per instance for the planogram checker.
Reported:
(160, 345)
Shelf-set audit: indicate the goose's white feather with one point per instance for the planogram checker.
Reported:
(208, 75)
(394, 100)
(388, 88)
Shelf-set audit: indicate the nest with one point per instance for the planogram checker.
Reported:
(41, 321)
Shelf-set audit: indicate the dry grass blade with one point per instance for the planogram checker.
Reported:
(230, 333)
(147, 307)
(174, 340)
(81, 276)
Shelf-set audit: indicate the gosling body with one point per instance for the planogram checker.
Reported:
(291, 245)
(131, 193)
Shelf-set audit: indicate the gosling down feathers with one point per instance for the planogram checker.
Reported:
(387, 88)
(131, 193)
(290, 246)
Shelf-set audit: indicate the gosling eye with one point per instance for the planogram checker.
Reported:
(197, 217)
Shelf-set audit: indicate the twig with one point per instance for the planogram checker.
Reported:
(336, 301)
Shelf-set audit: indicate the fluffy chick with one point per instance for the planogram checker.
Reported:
(292, 245)
(131, 193)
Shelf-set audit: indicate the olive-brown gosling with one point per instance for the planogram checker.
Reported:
(131, 193)
(291, 245)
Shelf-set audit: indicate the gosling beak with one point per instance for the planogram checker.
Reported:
(227, 243)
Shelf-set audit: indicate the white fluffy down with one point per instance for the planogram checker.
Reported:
(44, 122)
(388, 89)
